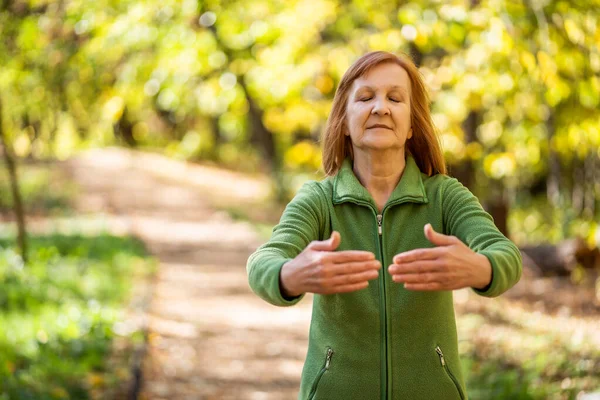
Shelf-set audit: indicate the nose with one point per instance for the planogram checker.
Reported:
(380, 107)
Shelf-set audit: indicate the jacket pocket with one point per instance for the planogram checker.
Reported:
(325, 368)
(449, 373)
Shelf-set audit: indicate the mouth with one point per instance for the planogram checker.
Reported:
(378, 126)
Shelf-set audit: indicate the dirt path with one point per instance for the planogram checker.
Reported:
(210, 336)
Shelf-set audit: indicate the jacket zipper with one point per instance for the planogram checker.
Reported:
(386, 369)
(443, 361)
(383, 314)
(313, 390)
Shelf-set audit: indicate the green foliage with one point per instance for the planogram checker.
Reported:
(42, 191)
(516, 354)
(536, 222)
(194, 79)
(58, 314)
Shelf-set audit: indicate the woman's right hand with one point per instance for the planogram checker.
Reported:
(321, 269)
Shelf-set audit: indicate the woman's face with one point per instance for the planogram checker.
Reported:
(378, 109)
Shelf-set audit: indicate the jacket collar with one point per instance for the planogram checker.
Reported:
(346, 187)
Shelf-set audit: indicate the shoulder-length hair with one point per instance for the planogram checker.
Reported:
(424, 146)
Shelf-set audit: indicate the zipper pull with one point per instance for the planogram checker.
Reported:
(329, 354)
(439, 351)
(379, 218)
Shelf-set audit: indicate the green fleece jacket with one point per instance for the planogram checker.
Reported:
(382, 342)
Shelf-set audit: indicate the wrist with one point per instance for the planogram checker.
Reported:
(484, 273)
(284, 282)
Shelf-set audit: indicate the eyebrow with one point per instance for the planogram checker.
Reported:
(393, 87)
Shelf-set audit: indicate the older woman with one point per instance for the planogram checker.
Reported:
(382, 333)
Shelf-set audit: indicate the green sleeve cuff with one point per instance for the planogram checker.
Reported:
(506, 270)
(489, 285)
(264, 279)
(285, 301)
(490, 289)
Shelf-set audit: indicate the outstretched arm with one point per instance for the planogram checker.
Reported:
(294, 262)
(474, 253)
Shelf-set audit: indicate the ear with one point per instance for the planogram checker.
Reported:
(410, 132)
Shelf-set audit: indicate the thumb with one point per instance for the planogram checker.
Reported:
(439, 239)
(328, 245)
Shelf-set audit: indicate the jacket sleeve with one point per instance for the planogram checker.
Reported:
(300, 224)
(466, 219)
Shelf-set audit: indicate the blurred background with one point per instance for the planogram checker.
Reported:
(148, 147)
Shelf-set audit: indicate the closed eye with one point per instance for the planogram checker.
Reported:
(391, 98)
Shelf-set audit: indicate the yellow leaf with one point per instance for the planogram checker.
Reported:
(421, 40)
(474, 151)
(300, 154)
(547, 66)
(113, 109)
(499, 165)
(59, 392)
(593, 239)
(573, 31)
(528, 61)
(22, 145)
(324, 83)
(10, 366)
(95, 380)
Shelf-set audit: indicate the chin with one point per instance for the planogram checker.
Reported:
(381, 144)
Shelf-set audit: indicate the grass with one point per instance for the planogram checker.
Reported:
(64, 327)
(60, 314)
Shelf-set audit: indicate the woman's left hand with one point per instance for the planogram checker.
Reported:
(451, 265)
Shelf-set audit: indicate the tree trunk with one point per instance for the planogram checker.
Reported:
(217, 137)
(264, 140)
(578, 187)
(260, 136)
(498, 209)
(554, 167)
(14, 184)
(465, 172)
(589, 179)
(123, 129)
(416, 54)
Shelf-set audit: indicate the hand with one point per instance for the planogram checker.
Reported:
(451, 265)
(321, 269)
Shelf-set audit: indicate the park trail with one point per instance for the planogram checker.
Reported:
(209, 336)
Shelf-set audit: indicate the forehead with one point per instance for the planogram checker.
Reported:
(387, 75)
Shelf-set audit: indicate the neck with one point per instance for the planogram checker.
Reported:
(379, 172)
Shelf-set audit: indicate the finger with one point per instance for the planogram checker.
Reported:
(426, 277)
(416, 267)
(327, 245)
(427, 287)
(348, 288)
(352, 268)
(438, 239)
(419, 254)
(339, 257)
(349, 279)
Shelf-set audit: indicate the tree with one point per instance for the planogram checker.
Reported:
(14, 185)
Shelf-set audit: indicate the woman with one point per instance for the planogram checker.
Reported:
(400, 235)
